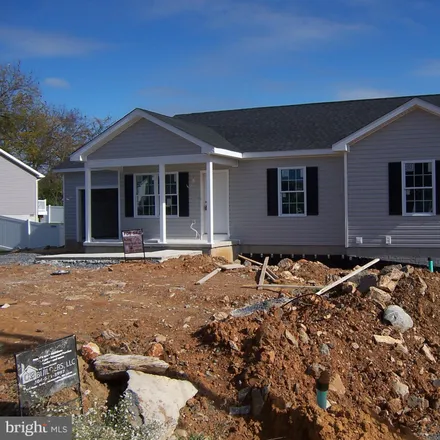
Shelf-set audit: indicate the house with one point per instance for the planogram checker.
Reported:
(356, 178)
(18, 188)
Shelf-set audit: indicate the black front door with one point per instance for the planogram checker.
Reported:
(105, 216)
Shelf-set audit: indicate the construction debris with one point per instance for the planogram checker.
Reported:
(209, 276)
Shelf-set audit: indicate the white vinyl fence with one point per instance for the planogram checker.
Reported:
(15, 233)
(55, 214)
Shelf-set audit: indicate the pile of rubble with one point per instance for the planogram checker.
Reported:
(377, 334)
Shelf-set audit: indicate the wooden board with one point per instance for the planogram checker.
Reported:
(231, 266)
(281, 286)
(210, 275)
(270, 273)
(263, 273)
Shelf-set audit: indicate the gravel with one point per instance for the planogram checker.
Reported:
(21, 258)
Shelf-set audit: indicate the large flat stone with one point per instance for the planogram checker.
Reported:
(156, 401)
(114, 366)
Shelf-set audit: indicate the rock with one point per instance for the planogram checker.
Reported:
(243, 393)
(234, 346)
(435, 404)
(436, 383)
(324, 349)
(114, 366)
(180, 433)
(336, 385)
(427, 352)
(367, 281)
(239, 410)
(155, 350)
(379, 295)
(400, 348)
(380, 339)
(220, 316)
(401, 389)
(348, 287)
(109, 334)
(417, 402)
(408, 270)
(394, 272)
(423, 285)
(285, 264)
(387, 284)
(395, 405)
(303, 336)
(355, 346)
(257, 402)
(291, 338)
(160, 338)
(398, 318)
(268, 356)
(287, 275)
(315, 370)
(90, 352)
(156, 401)
(331, 278)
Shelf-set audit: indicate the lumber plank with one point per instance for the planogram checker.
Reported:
(347, 277)
(210, 275)
(272, 275)
(231, 266)
(263, 273)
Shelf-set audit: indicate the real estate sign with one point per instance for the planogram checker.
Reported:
(46, 370)
(133, 241)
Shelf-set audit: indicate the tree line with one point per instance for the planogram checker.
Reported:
(38, 133)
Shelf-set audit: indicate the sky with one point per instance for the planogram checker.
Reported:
(179, 56)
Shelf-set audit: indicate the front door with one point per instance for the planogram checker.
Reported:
(105, 215)
(221, 202)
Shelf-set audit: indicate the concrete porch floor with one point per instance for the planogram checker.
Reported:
(155, 256)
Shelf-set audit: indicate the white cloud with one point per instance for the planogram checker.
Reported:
(24, 42)
(349, 94)
(429, 68)
(57, 83)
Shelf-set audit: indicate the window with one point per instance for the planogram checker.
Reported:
(418, 188)
(148, 191)
(292, 191)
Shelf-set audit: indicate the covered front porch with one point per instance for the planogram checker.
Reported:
(180, 202)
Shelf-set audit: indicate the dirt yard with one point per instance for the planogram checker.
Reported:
(123, 308)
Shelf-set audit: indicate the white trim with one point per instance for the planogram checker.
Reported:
(434, 204)
(21, 164)
(209, 193)
(156, 193)
(227, 153)
(202, 201)
(289, 153)
(346, 198)
(78, 219)
(69, 170)
(163, 205)
(88, 204)
(36, 218)
(280, 204)
(344, 144)
(158, 160)
(119, 204)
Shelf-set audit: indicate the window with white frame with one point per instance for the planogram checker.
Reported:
(292, 190)
(148, 192)
(418, 191)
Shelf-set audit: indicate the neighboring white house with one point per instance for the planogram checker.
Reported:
(18, 188)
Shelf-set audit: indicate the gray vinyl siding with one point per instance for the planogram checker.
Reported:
(18, 191)
(73, 181)
(145, 139)
(250, 223)
(177, 227)
(415, 136)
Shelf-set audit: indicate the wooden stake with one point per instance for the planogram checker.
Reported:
(280, 286)
(347, 277)
(270, 273)
(210, 275)
(263, 273)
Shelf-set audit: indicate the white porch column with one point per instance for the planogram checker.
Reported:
(209, 202)
(88, 202)
(162, 205)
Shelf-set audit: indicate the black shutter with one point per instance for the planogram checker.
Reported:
(395, 188)
(272, 191)
(437, 186)
(129, 195)
(183, 194)
(312, 191)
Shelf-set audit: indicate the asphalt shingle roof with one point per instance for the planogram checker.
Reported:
(295, 127)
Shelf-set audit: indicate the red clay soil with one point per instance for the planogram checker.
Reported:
(138, 301)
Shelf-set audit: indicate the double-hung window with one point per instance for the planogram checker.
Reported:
(418, 188)
(147, 194)
(292, 191)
